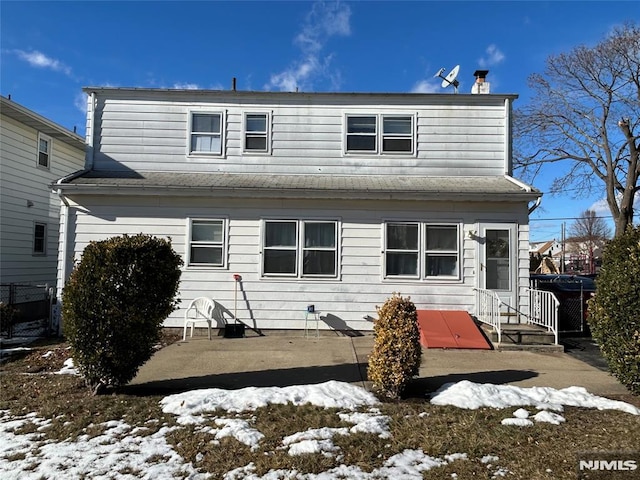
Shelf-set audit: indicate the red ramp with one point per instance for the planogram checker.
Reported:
(450, 329)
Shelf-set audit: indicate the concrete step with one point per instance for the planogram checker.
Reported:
(517, 336)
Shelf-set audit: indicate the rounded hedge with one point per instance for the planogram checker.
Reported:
(114, 304)
(397, 353)
(614, 311)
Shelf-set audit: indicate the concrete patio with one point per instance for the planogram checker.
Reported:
(279, 359)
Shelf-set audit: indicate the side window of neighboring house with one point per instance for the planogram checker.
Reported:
(44, 151)
(206, 133)
(39, 238)
(207, 242)
(256, 132)
(364, 135)
(416, 250)
(300, 248)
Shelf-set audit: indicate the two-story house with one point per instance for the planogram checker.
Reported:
(34, 152)
(331, 199)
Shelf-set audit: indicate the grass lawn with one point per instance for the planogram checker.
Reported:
(491, 450)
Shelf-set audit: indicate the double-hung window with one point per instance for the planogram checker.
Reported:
(206, 133)
(39, 238)
(422, 250)
(441, 251)
(256, 132)
(44, 150)
(380, 134)
(397, 134)
(300, 248)
(362, 133)
(207, 242)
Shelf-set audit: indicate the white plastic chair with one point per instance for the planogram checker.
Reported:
(200, 310)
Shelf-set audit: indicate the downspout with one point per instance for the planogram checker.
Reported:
(508, 161)
(91, 123)
(62, 254)
(535, 205)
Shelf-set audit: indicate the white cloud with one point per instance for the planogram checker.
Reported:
(186, 86)
(426, 86)
(493, 56)
(601, 207)
(80, 102)
(326, 20)
(40, 60)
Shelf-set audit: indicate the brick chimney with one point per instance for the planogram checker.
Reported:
(481, 85)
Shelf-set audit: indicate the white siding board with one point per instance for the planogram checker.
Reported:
(147, 134)
(23, 183)
(278, 303)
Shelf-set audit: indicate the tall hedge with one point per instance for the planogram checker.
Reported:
(397, 353)
(114, 305)
(614, 311)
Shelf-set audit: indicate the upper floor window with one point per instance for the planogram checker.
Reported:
(300, 248)
(39, 238)
(256, 132)
(207, 242)
(206, 133)
(364, 135)
(397, 134)
(421, 250)
(44, 150)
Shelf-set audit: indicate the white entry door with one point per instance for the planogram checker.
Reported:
(498, 260)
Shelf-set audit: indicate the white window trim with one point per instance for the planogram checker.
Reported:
(223, 132)
(44, 240)
(42, 136)
(380, 134)
(300, 248)
(268, 142)
(225, 243)
(422, 252)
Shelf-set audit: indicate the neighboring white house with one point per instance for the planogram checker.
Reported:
(331, 199)
(550, 248)
(34, 152)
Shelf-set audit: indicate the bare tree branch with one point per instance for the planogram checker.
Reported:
(574, 117)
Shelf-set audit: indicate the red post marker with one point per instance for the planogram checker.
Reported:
(237, 277)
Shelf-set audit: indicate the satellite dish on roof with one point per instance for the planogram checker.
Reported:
(450, 79)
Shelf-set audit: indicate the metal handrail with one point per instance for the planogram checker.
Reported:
(488, 309)
(544, 307)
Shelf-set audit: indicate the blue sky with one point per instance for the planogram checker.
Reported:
(50, 50)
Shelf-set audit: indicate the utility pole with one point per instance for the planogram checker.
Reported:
(562, 244)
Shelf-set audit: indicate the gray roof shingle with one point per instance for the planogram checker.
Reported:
(300, 186)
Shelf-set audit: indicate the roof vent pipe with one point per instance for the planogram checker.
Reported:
(233, 84)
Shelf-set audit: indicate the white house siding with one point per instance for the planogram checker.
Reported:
(136, 131)
(269, 303)
(23, 183)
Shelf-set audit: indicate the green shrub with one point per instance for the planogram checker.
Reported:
(396, 354)
(114, 304)
(614, 312)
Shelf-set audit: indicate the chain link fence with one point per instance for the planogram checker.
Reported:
(25, 310)
(572, 293)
